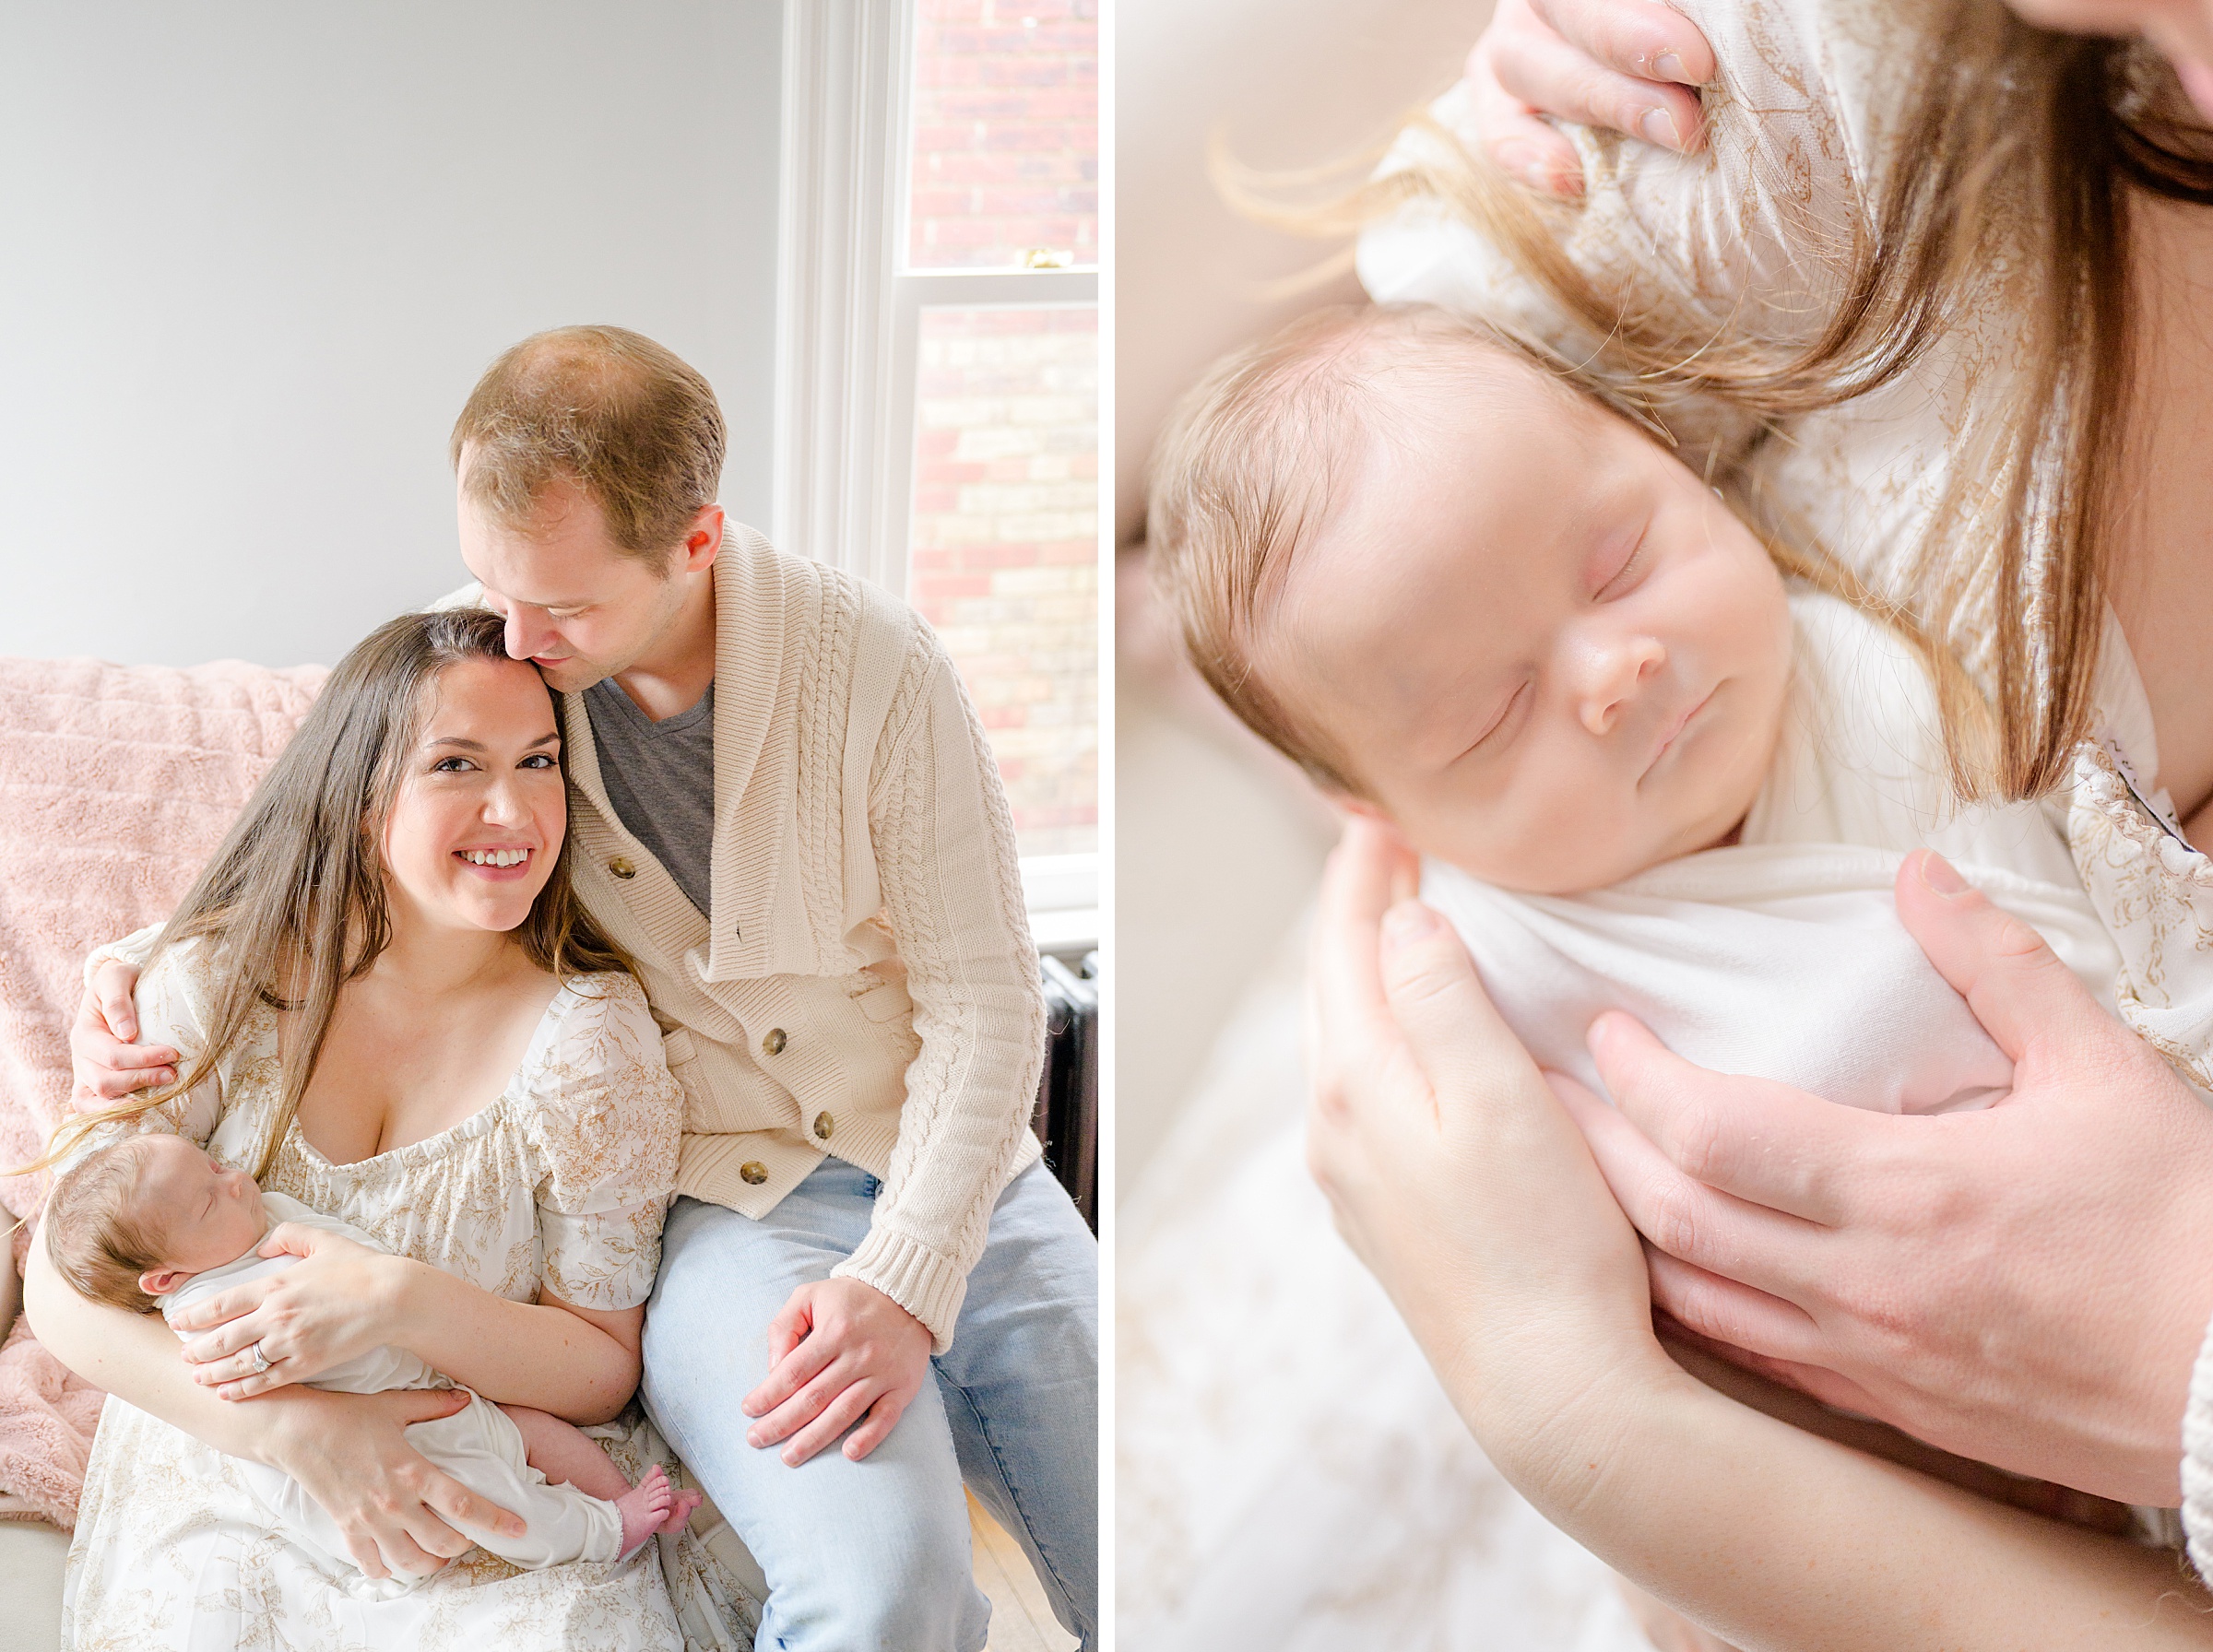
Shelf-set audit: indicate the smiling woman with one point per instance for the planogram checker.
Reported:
(383, 997)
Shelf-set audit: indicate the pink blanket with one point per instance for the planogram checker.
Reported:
(116, 784)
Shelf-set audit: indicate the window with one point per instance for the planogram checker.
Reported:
(939, 387)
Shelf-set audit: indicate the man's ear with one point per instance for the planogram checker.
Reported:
(163, 1281)
(705, 541)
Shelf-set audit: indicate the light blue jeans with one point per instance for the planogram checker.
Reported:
(874, 1555)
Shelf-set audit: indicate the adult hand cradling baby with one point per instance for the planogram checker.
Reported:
(339, 1303)
(1456, 1176)
(2025, 1285)
(1461, 1181)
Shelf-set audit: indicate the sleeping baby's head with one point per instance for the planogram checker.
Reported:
(134, 1221)
(1470, 598)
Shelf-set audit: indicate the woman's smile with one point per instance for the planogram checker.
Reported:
(506, 863)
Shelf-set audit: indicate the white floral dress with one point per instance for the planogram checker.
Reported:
(560, 1186)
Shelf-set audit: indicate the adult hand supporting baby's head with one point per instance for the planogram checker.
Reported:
(2025, 1285)
(1457, 1176)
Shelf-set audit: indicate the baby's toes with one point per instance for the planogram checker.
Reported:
(681, 1509)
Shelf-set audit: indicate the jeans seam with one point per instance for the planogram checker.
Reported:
(983, 1429)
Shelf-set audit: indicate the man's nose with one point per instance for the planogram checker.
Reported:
(522, 640)
(1616, 671)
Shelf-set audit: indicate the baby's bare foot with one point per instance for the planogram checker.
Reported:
(645, 1509)
(681, 1505)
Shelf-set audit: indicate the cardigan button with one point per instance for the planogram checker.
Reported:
(622, 868)
(752, 1172)
(774, 1043)
(824, 1125)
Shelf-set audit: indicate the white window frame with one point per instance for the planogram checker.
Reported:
(849, 317)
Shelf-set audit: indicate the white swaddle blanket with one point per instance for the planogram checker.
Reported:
(1783, 957)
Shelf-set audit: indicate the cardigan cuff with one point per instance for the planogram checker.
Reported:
(2197, 1461)
(926, 1284)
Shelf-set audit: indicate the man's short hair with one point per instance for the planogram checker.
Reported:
(607, 410)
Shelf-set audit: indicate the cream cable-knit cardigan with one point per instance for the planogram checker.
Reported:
(866, 984)
(860, 837)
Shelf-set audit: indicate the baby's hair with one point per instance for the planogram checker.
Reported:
(1253, 462)
(1254, 459)
(94, 1235)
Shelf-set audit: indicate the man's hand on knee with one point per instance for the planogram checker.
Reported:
(840, 1353)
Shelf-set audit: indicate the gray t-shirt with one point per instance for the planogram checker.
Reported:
(660, 777)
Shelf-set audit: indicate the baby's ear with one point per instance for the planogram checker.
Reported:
(163, 1281)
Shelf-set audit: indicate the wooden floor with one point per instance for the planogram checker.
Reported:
(1021, 1620)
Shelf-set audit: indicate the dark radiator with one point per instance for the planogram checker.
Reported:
(1066, 1119)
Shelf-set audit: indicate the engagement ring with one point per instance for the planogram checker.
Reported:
(261, 1359)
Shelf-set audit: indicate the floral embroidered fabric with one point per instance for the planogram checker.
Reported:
(560, 1187)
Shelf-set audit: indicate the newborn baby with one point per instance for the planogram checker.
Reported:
(1649, 775)
(152, 1223)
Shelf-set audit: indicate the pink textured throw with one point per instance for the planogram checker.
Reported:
(116, 784)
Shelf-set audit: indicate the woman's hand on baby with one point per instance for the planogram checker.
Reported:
(1629, 65)
(335, 1304)
(398, 1511)
(840, 1353)
(2027, 1285)
(1459, 1180)
(105, 1065)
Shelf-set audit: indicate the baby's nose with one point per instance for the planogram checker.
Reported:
(1616, 674)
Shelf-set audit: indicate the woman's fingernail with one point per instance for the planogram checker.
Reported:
(1658, 126)
(1670, 68)
(1939, 875)
(1408, 922)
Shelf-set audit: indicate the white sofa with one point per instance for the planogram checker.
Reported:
(30, 1551)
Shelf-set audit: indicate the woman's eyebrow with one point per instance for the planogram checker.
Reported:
(460, 743)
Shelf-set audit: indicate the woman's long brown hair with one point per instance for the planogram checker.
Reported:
(292, 905)
(2020, 150)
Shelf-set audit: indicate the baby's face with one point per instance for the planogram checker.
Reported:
(1550, 655)
(207, 1215)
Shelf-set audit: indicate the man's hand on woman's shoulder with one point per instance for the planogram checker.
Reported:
(105, 1065)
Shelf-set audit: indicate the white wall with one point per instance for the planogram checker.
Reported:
(254, 252)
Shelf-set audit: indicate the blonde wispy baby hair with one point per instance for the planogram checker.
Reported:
(1256, 457)
(94, 1234)
(1258, 454)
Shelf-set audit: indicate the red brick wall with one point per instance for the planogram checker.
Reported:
(1005, 535)
(1005, 546)
(1006, 132)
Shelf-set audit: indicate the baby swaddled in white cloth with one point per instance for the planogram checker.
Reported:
(1781, 956)
(150, 1222)
(1646, 773)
